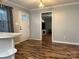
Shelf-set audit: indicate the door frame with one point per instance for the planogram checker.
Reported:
(41, 23)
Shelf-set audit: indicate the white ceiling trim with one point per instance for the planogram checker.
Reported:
(10, 3)
(67, 4)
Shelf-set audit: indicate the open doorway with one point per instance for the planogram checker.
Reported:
(47, 27)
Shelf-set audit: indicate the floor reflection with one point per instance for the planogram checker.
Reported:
(45, 49)
(46, 46)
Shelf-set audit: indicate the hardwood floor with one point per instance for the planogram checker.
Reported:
(45, 49)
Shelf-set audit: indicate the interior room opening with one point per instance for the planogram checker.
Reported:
(47, 26)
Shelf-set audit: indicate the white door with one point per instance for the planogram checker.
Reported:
(24, 25)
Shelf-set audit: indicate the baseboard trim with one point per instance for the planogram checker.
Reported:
(19, 42)
(35, 38)
(70, 43)
(25, 40)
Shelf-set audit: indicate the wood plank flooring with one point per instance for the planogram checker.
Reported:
(45, 49)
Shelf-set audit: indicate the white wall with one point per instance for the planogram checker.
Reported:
(35, 23)
(18, 22)
(66, 24)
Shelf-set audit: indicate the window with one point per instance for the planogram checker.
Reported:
(6, 21)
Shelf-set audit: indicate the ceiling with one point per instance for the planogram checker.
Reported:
(33, 4)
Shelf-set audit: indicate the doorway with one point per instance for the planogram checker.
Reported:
(46, 27)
